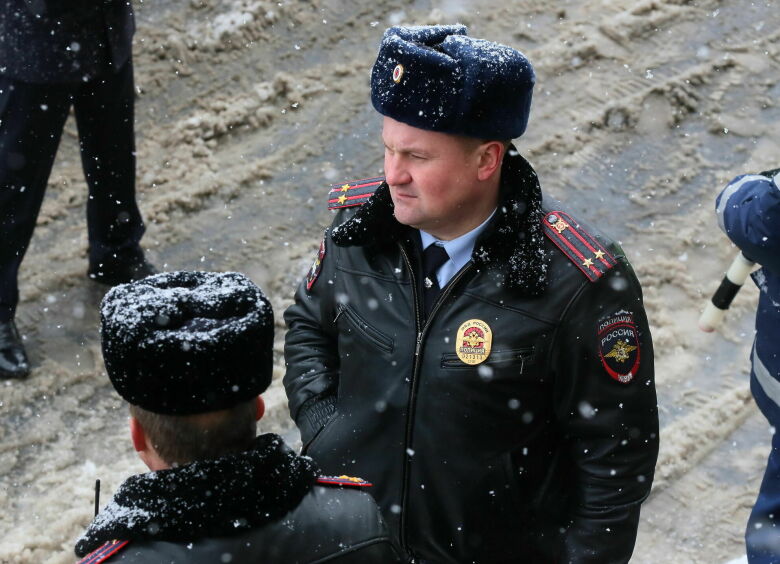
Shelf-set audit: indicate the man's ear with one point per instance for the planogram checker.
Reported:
(138, 435)
(260, 408)
(490, 156)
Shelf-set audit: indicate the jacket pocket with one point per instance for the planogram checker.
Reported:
(362, 328)
(319, 434)
(521, 357)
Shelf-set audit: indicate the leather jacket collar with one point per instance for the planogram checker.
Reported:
(512, 244)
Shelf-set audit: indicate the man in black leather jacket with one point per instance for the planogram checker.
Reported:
(190, 352)
(503, 400)
(54, 55)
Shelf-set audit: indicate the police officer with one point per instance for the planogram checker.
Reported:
(480, 354)
(748, 211)
(190, 352)
(54, 55)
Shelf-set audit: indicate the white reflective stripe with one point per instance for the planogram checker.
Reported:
(768, 383)
(728, 192)
(776, 180)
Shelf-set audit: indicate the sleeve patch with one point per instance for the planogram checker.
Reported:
(348, 481)
(316, 267)
(581, 247)
(619, 346)
(353, 193)
(104, 552)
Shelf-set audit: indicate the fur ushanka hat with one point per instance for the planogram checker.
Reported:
(181, 343)
(440, 79)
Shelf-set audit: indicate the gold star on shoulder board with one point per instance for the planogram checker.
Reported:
(345, 188)
(599, 254)
(342, 199)
(587, 262)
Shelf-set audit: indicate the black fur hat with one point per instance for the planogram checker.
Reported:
(438, 78)
(181, 343)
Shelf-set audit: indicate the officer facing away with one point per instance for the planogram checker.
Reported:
(190, 352)
(748, 211)
(481, 355)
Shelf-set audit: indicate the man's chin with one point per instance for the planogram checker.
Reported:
(403, 216)
(402, 222)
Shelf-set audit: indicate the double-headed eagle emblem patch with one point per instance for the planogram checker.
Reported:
(618, 345)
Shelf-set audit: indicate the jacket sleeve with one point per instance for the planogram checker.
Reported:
(749, 213)
(607, 414)
(311, 348)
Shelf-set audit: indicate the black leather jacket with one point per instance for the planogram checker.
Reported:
(64, 41)
(538, 454)
(262, 506)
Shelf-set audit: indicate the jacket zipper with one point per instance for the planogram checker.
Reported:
(407, 436)
(416, 367)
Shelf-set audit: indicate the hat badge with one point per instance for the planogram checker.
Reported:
(398, 73)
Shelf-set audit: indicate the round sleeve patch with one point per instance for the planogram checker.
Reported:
(619, 347)
(316, 267)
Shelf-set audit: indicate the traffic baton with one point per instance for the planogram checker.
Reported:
(97, 497)
(716, 308)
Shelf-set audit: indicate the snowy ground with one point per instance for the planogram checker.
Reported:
(247, 109)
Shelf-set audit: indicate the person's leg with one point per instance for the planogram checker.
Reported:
(105, 116)
(762, 535)
(32, 118)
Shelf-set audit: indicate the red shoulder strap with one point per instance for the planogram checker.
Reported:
(353, 193)
(104, 552)
(349, 481)
(581, 247)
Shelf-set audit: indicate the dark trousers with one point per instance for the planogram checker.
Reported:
(763, 531)
(32, 117)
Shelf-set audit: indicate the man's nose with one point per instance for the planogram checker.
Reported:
(396, 173)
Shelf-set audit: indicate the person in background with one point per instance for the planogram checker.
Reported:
(191, 352)
(55, 55)
(480, 354)
(748, 211)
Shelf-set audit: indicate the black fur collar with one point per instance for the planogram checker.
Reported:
(512, 247)
(206, 498)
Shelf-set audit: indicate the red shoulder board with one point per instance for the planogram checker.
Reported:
(581, 247)
(344, 481)
(104, 552)
(353, 193)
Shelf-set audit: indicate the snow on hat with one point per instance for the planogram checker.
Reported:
(438, 78)
(181, 343)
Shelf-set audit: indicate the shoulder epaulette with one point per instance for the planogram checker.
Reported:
(581, 247)
(353, 193)
(344, 481)
(104, 552)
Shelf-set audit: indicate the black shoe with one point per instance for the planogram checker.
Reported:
(121, 273)
(13, 359)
